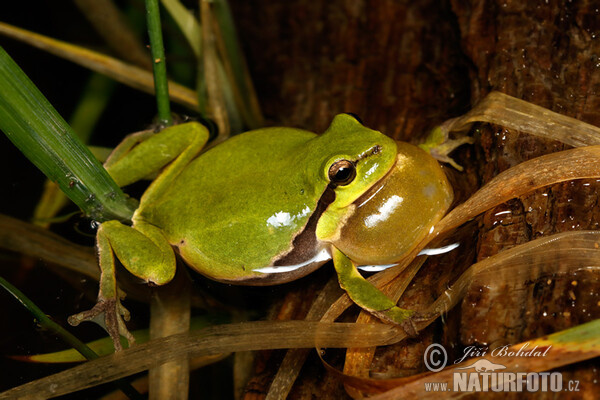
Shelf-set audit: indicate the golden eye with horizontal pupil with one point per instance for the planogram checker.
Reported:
(342, 172)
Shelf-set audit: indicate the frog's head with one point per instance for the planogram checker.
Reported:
(388, 194)
(352, 159)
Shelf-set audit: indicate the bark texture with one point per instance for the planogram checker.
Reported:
(405, 67)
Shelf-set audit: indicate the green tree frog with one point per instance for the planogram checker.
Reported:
(269, 206)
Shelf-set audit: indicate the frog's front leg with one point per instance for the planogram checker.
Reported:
(145, 252)
(439, 145)
(368, 297)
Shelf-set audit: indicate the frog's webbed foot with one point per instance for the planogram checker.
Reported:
(111, 315)
(136, 248)
(108, 311)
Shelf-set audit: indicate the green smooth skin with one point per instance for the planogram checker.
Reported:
(233, 211)
(255, 192)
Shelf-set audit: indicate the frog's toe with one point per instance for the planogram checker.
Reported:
(408, 320)
(111, 315)
(395, 315)
(410, 328)
(410, 325)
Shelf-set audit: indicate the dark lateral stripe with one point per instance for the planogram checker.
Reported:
(304, 246)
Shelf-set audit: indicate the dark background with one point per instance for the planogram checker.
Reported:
(403, 67)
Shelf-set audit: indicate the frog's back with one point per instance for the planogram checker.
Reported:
(239, 205)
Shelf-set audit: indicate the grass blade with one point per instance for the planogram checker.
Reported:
(188, 24)
(36, 128)
(250, 107)
(115, 29)
(159, 65)
(64, 334)
(96, 96)
(118, 70)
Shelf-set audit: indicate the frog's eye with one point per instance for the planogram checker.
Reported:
(356, 117)
(342, 172)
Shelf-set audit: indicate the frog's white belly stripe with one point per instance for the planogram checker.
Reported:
(323, 255)
(439, 250)
(374, 268)
(426, 252)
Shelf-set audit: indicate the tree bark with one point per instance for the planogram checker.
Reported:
(404, 67)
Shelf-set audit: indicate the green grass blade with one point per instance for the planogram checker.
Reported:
(104, 346)
(190, 27)
(95, 98)
(64, 334)
(47, 323)
(187, 23)
(159, 65)
(36, 128)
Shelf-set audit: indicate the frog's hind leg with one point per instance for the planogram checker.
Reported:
(144, 251)
(128, 143)
(367, 296)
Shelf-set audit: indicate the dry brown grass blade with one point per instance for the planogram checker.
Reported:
(247, 104)
(37, 242)
(294, 359)
(516, 114)
(564, 348)
(358, 360)
(214, 84)
(578, 163)
(110, 23)
(120, 71)
(261, 335)
(562, 253)
(169, 315)
(41, 244)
